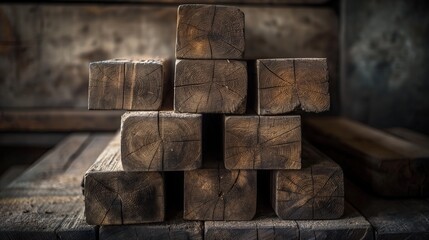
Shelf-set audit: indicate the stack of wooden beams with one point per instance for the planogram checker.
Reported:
(230, 119)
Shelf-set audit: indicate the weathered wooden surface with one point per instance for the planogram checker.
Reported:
(390, 166)
(411, 136)
(41, 36)
(215, 193)
(113, 196)
(268, 226)
(391, 218)
(175, 228)
(314, 192)
(259, 2)
(128, 84)
(262, 142)
(46, 201)
(161, 141)
(210, 86)
(289, 84)
(59, 120)
(209, 32)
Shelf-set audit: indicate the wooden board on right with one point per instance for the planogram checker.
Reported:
(389, 165)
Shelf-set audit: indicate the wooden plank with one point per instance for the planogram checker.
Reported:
(60, 171)
(161, 141)
(210, 86)
(226, 2)
(314, 192)
(262, 227)
(410, 135)
(129, 84)
(391, 218)
(74, 225)
(59, 120)
(113, 196)
(352, 225)
(215, 193)
(374, 156)
(210, 32)
(262, 142)
(36, 217)
(175, 228)
(268, 226)
(288, 84)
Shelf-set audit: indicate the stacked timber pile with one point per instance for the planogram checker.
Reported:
(213, 135)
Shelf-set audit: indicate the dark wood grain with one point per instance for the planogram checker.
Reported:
(219, 194)
(210, 32)
(262, 142)
(113, 196)
(210, 86)
(389, 165)
(161, 141)
(314, 192)
(128, 84)
(285, 85)
(391, 218)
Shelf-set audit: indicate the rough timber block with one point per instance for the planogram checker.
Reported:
(262, 142)
(161, 141)
(210, 86)
(284, 85)
(210, 32)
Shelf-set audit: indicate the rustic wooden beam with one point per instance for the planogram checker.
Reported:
(113, 196)
(314, 192)
(210, 86)
(410, 135)
(59, 120)
(209, 32)
(289, 84)
(215, 193)
(128, 84)
(262, 142)
(161, 141)
(389, 165)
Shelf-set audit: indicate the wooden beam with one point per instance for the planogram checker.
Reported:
(262, 142)
(215, 193)
(209, 32)
(161, 141)
(210, 86)
(389, 165)
(59, 120)
(289, 84)
(411, 136)
(128, 84)
(113, 196)
(314, 192)
(391, 218)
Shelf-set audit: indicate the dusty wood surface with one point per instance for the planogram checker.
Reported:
(268, 226)
(209, 32)
(45, 202)
(391, 166)
(411, 136)
(285, 85)
(175, 228)
(262, 142)
(210, 86)
(391, 218)
(161, 141)
(113, 196)
(215, 193)
(59, 120)
(314, 192)
(128, 84)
